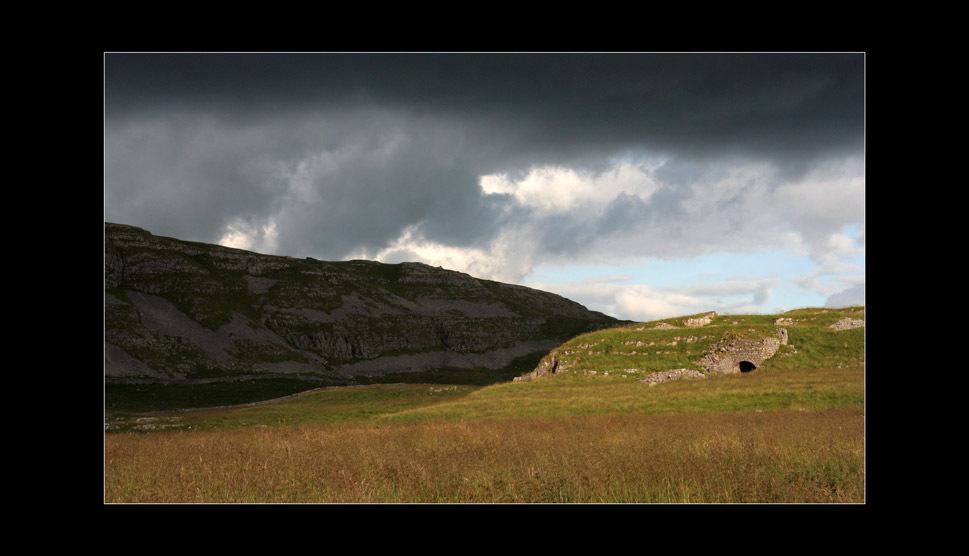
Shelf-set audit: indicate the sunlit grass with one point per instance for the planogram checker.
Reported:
(566, 395)
(766, 457)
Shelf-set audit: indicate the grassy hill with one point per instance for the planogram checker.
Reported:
(792, 430)
(632, 352)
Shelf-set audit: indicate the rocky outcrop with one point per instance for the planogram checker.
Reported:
(700, 321)
(179, 310)
(674, 374)
(848, 324)
(550, 364)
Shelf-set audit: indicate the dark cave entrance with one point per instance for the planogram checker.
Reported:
(746, 366)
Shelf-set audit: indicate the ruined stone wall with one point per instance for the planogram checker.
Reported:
(732, 350)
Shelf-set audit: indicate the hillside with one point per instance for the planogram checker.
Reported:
(697, 346)
(186, 312)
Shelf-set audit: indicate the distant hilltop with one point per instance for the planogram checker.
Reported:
(180, 311)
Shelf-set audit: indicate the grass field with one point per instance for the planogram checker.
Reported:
(784, 433)
(768, 457)
(789, 437)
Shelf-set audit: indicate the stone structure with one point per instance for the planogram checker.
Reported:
(736, 353)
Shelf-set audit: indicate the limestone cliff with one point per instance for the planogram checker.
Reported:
(177, 310)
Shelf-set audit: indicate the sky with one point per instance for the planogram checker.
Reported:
(642, 185)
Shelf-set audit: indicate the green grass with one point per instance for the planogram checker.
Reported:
(555, 396)
(455, 375)
(135, 398)
(570, 395)
(325, 406)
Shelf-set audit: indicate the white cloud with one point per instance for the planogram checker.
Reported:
(236, 239)
(643, 303)
(508, 258)
(840, 263)
(825, 200)
(240, 235)
(609, 279)
(555, 189)
(832, 254)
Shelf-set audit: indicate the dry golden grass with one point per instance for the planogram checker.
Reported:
(785, 456)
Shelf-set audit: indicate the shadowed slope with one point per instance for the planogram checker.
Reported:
(179, 311)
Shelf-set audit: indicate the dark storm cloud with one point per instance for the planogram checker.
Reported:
(185, 177)
(563, 103)
(367, 190)
(345, 151)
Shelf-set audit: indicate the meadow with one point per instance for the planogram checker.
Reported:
(781, 436)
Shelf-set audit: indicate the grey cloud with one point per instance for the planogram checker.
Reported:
(628, 212)
(564, 104)
(628, 223)
(182, 178)
(855, 295)
(758, 290)
(345, 151)
(361, 196)
(333, 183)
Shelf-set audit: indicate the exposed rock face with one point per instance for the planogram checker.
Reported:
(181, 310)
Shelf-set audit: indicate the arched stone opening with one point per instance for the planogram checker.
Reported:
(746, 366)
